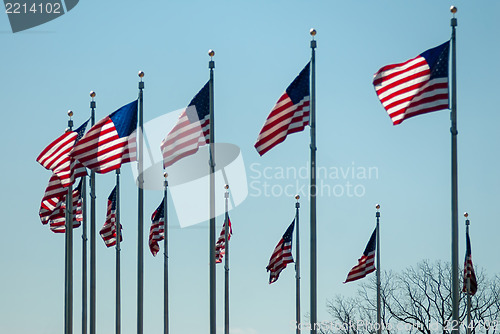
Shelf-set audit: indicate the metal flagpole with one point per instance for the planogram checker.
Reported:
(118, 237)
(140, 220)
(297, 266)
(211, 66)
(314, 317)
(92, 231)
(455, 297)
(226, 263)
(83, 194)
(69, 249)
(379, 322)
(165, 258)
(467, 223)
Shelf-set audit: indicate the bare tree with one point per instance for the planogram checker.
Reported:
(422, 297)
(418, 300)
(368, 296)
(358, 315)
(345, 313)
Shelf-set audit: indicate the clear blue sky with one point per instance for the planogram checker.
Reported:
(260, 47)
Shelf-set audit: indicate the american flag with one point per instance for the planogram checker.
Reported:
(366, 264)
(289, 115)
(415, 87)
(52, 198)
(469, 270)
(220, 246)
(157, 230)
(110, 142)
(55, 157)
(282, 255)
(65, 170)
(56, 189)
(57, 220)
(108, 231)
(191, 131)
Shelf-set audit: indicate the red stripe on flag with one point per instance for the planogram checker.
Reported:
(285, 118)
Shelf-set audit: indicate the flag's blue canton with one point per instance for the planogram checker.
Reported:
(81, 131)
(112, 198)
(159, 211)
(437, 59)
(468, 252)
(371, 244)
(287, 237)
(125, 119)
(201, 102)
(299, 88)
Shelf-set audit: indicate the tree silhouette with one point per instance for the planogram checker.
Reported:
(416, 300)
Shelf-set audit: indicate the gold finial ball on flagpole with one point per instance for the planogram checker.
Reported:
(453, 9)
(466, 214)
(165, 174)
(141, 74)
(297, 197)
(313, 32)
(377, 206)
(92, 94)
(70, 113)
(211, 53)
(226, 186)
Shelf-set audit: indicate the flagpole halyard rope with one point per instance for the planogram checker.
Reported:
(226, 263)
(467, 223)
(313, 296)
(455, 296)
(140, 211)
(212, 278)
(297, 268)
(165, 259)
(69, 250)
(118, 249)
(379, 320)
(92, 232)
(83, 195)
